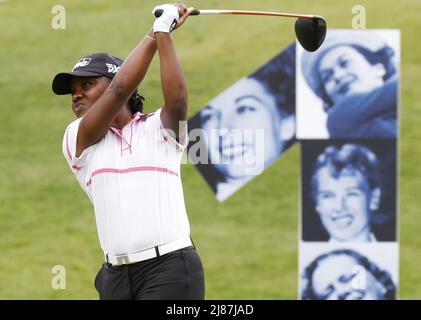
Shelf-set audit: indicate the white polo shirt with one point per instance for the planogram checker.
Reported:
(132, 177)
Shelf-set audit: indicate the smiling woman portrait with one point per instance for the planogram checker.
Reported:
(345, 274)
(349, 191)
(248, 126)
(355, 75)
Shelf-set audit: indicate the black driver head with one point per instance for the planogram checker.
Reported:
(310, 32)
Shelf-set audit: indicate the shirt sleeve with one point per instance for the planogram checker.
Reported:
(69, 148)
(154, 123)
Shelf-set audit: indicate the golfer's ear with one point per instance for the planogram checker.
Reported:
(287, 128)
(375, 199)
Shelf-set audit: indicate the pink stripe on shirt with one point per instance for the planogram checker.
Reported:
(128, 170)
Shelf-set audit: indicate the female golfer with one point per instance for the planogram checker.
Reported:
(128, 163)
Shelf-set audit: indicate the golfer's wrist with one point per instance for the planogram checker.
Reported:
(165, 27)
(150, 35)
(161, 35)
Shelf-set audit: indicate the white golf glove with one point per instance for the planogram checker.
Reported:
(168, 20)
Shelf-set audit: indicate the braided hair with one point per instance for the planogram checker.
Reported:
(136, 102)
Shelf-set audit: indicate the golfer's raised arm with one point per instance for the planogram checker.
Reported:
(97, 120)
(172, 78)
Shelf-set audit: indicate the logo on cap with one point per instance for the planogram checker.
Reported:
(82, 63)
(112, 68)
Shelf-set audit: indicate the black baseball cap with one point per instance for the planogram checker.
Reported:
(93, 65)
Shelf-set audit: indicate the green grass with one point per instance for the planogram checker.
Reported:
(248, 244)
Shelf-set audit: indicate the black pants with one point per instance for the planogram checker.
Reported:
(173, 276)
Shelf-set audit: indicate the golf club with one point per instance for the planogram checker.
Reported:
(309, 29)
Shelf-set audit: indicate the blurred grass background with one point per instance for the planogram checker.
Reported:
(248, 244)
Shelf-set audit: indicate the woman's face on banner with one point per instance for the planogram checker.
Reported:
(343, 204)
(242, 127)
(340, 277)
(345, 71)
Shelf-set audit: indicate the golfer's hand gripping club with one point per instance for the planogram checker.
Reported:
(159, 12)
(167, 18)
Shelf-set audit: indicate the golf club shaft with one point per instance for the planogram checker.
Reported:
(309, 29)
(256, 13)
